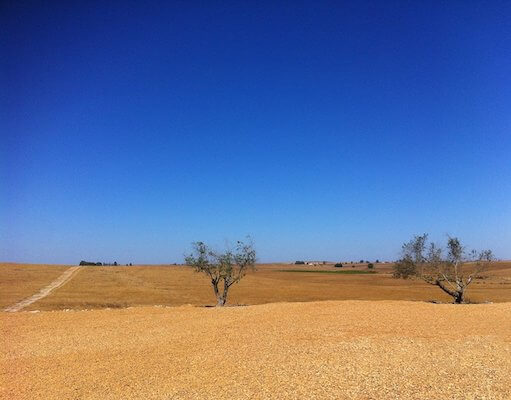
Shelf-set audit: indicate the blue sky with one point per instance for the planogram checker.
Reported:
(325, 130)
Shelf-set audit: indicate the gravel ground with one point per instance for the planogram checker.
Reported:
(332, 350)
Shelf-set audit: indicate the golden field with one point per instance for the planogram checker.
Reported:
(317, 350)
(18, 281)
(117, 287)
(142, 333)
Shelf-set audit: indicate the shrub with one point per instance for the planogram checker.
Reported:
(405, 269)
(338, 265)
(88, 263)
(370, 265)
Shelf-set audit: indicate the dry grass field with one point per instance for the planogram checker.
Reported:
(117, 287)
(18, 281)
(317, 350)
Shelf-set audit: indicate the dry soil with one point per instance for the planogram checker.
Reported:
(335, 350)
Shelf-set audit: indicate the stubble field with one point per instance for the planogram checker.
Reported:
(118, 287)
(18, 281)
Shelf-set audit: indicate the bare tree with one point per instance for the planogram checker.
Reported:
(452, 273)
(223, 269)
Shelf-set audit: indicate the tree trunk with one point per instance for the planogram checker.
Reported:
(446, 290)
(222, 299)
(457, 294)
(459, 298)
(219, 300)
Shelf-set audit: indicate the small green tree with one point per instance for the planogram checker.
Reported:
(370, 265)
(223, 269)
(452, 273)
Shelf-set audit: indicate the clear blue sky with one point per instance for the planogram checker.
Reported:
(324, 130)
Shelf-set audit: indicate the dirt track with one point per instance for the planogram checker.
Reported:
(61, 280)
(342, 349)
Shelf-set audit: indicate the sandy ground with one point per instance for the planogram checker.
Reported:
(334, 349)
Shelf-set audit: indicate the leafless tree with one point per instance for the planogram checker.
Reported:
(452, 273)
(223, 269)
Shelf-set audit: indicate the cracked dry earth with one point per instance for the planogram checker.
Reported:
(317, 350)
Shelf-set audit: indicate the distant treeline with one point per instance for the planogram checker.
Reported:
(100, 263)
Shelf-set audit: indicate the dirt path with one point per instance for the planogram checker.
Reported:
(62, 279)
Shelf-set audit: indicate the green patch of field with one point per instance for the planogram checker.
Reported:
(346, 272)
